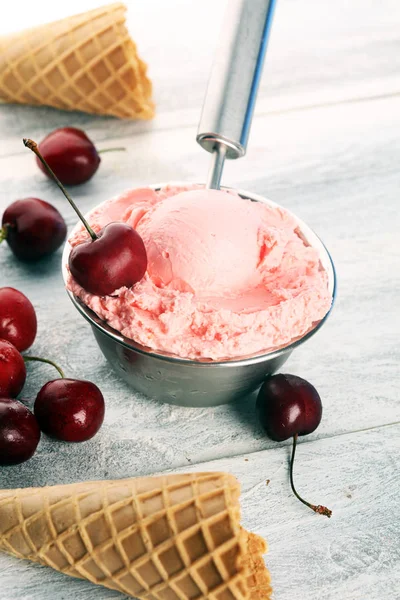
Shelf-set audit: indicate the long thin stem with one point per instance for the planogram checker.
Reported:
(321, 510)
(121, 149)
(45, 360)
(34, 147)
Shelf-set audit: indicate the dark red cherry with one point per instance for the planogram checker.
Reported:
(33, 228)
(70, 409)
(70, 154)
(12, 370)
(19, 432)
(115, 259)
(18, 322)
(288, 405)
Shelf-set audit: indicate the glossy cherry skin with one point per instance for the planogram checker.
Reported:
(12, 370)
(70, 154)
(288, 405)
(19, 432)
(71, 410)
(34, 228)
(18, 323)
(116, 259)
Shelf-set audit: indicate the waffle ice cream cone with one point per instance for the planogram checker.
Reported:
(87, 62)
(174, 537)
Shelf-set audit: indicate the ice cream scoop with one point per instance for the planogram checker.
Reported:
(232, 89)
(212, 242)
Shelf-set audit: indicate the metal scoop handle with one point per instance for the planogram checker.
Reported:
(232, 88)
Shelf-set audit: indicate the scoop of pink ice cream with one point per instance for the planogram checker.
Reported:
(226, 277)
(203, 241)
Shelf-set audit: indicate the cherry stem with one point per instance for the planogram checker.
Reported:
(34, 147)
(111, 150)
(45, 360)
(321, 510)
(3, 233)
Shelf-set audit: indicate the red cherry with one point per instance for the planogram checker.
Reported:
(19, 432)
(115, 259)
(18, 322)
(69, 409)
(33, 228)
(71, 155)
(12, 370)
(288, 405)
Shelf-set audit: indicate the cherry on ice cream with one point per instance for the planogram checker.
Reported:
(115, 259)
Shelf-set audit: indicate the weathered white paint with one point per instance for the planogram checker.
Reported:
(355, 555)
(326, 145)
(319, 52)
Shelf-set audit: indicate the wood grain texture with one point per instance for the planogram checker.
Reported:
(319, 52)
(337, 181)
(324, 144)
(355, 555)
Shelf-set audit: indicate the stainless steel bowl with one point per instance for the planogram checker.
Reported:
(195, 382)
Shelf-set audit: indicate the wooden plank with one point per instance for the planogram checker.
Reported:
(353, 556)
(343, 179)
(320, 52)
(321, 147)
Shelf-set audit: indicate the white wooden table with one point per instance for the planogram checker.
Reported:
(325, 143)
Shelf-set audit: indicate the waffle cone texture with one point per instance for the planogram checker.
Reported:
(87, 62)
(175, 537)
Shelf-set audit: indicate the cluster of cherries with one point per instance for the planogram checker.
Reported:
(66, 409)
(70, 410)
(34, 228)
(73, 410)
(112, 258)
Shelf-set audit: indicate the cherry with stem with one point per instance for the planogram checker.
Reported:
(70, 410)
(289, 406)
(113, 258)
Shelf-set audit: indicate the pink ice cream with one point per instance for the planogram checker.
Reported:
(226, 277)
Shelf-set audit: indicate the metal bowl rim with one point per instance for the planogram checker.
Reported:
(95, 321)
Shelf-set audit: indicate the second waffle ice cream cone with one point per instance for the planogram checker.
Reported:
(87, 62)
(174, 537)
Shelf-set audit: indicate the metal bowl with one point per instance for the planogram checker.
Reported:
(195, 382)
